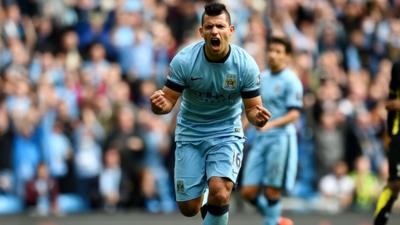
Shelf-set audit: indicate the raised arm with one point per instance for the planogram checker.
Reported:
(163, 101)
(256, 113)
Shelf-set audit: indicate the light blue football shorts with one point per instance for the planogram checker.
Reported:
(272, 161)
(197, 162)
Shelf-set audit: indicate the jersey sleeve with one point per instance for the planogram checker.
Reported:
(251, 79)
(294, 96)
(176, 76)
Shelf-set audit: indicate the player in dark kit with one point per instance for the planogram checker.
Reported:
(390, 193)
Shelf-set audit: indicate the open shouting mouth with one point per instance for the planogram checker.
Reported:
(215, 42)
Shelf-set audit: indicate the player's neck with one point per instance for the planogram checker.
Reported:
(216, 58)
(276, 70)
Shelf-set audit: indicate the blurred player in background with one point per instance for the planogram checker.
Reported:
(271, 165)
(212, 76)
(390, 193)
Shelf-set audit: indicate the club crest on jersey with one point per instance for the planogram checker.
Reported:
(230, 82)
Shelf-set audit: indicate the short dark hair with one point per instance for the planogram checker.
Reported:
(215, 9)
(281, 40)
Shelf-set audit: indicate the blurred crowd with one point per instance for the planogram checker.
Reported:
(76, 129)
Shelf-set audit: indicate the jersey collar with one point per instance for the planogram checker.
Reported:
(217, 61)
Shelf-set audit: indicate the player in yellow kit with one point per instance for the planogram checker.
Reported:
(390, 193)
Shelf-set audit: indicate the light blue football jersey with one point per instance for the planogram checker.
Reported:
(281, 92)
(273, 160)
(211, 97)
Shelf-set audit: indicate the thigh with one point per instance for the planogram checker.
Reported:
(224, 159)
(190, 179)
(254, 166)
(281, 162)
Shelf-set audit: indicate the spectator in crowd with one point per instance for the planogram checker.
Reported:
(158, 141)
(336, 189)
(329, 143)
(111, 180)
(69, 49)
(366, 185)
(42, 192)
(97, 65)
(368, 134)
(128, 138)
(88, 155)
(26, 155)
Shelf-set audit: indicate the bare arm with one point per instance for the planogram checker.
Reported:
(163, 101)
(393, 105)
(255, 111)
(289, 117)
